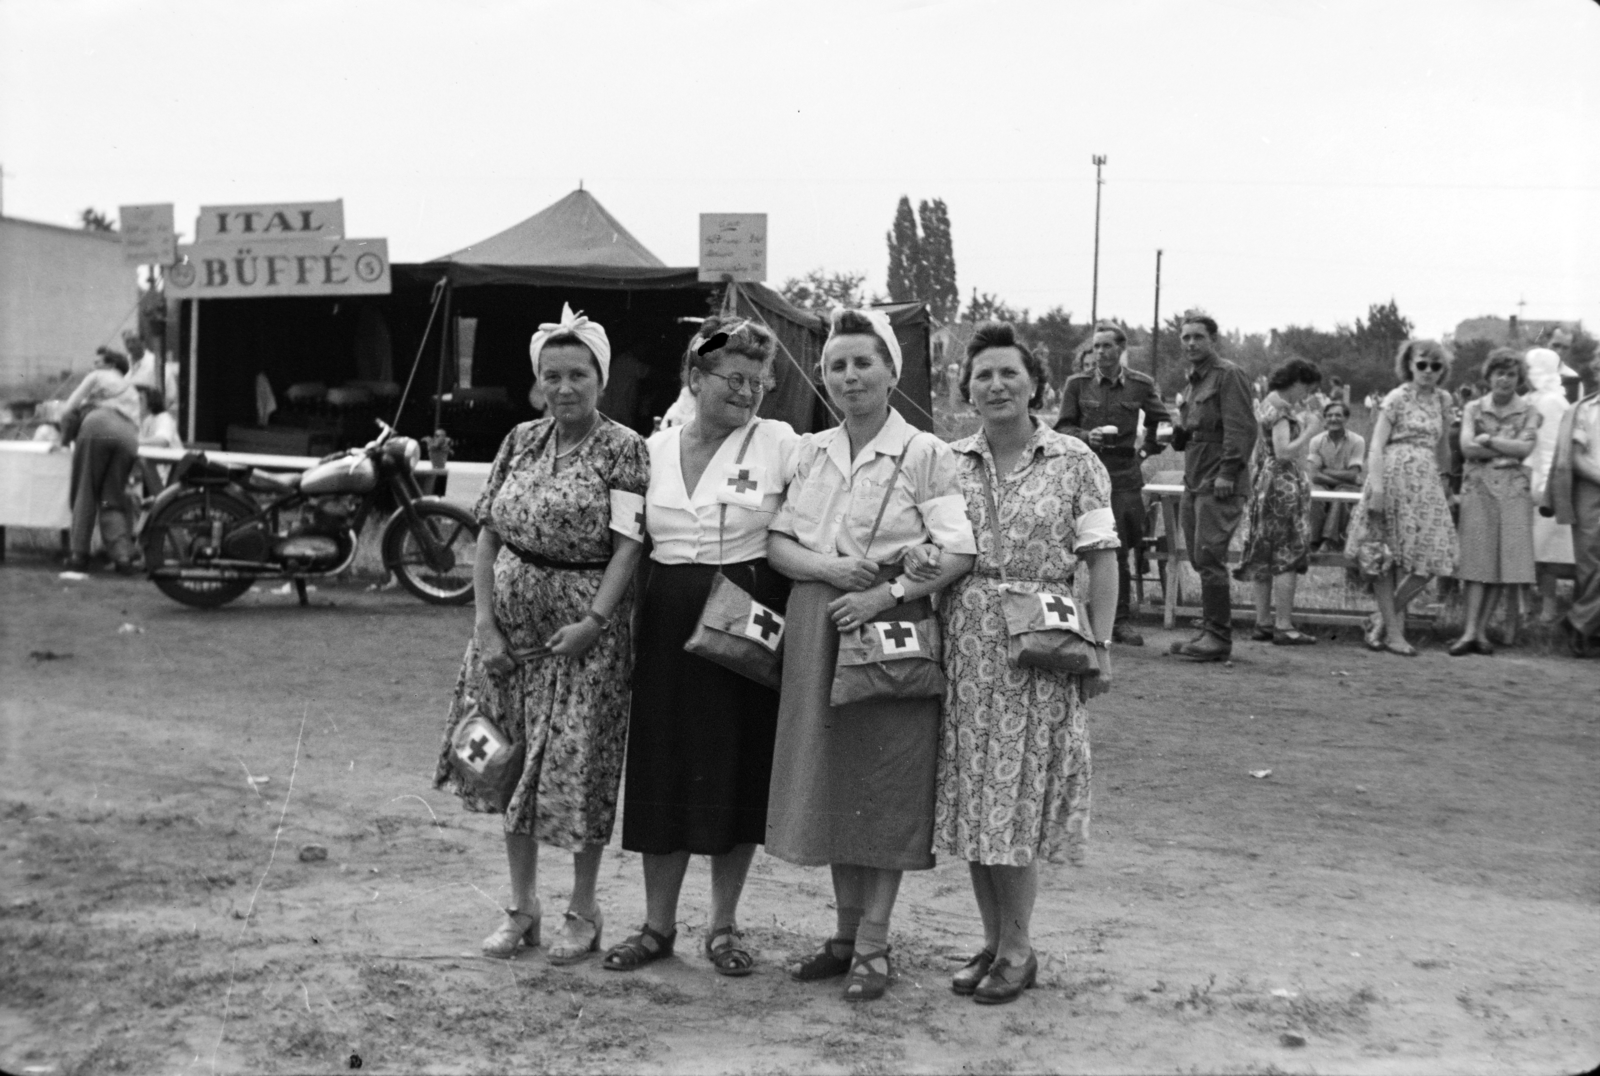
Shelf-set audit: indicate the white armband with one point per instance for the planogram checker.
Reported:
(627, 514)
(1096, 527)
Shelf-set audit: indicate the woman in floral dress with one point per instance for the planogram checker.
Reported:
(1278, 550)
(552, 654)
(1401, 534)
(1013, 774)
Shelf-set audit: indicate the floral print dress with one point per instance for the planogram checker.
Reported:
(1014, 766)
(1280, 509)
(1416, 533)
(571, 713)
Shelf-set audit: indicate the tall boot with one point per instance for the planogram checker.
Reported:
(1215, 643)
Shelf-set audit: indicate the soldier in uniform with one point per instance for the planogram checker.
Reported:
(1111, 395)
(1216, 432)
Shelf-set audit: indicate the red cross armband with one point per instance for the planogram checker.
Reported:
(627, 514)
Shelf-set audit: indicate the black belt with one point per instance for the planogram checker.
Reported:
(1119, 451)
(528, 556)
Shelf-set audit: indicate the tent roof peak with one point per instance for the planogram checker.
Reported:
(574, 231)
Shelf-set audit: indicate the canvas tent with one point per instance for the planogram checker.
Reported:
(462, 323)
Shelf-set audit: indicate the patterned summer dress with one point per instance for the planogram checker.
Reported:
(1280, 522)
(1497, 499)
(1013, 777)
(571, 713)
(1417, 534)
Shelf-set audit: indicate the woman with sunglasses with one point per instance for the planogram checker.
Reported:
(700, 736)
(1402, 534)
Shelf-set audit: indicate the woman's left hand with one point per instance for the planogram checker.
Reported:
(574, 640)
(855, 609)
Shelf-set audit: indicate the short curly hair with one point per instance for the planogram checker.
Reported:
(1507, 358)
(1200, 317)
(1412, 348)
(739, 336)
(993, 334)
(1294, 372)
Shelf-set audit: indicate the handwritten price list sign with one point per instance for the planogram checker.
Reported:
(733, 246)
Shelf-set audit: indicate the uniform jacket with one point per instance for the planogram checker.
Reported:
(1217, 430)
(1089, 401)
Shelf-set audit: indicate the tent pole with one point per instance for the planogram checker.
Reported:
(444, 348)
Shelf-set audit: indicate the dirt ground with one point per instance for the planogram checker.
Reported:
(1411, 890)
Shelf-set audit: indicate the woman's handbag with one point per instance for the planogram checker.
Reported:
(484, 757)
(736, 631)
(1045, 630)
(888, 659)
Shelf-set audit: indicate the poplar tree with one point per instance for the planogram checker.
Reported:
(939, 259)
(908, 275)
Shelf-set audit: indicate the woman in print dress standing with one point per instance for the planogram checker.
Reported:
(552, 654)
(1401, 534)
(1013, 775)
(852, 786)
(1278, 550)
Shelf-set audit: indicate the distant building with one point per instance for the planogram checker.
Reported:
(63, 293)
(1510, 331)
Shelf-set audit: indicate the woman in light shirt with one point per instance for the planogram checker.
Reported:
(853, 786)
(104, 449)
(699, 735)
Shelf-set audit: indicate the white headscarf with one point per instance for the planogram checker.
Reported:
(880, 328)
(592, 333)
(1544, 370)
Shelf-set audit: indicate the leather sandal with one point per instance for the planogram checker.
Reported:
(1262, 635)
(1462, 647)
(519, 929)
(1293, 637)
(730, 958)
(635, 951)
(825, 963)
(1403, 648)
(863, 983)
(573, 947)
(1372, 632)
(965, 981)
(998, 988)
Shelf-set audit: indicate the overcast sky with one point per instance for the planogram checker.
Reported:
(1295, 160)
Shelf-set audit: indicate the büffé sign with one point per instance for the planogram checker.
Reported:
(255, 268)
(733, 246)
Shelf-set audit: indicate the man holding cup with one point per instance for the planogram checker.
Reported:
(1101, 407)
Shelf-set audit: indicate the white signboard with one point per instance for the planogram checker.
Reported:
(281, 220)
(280, 268)
(147, 235)
(733, 246)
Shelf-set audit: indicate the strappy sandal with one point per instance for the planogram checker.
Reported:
(864, 984)
(730, 958)
(1261, 635)
(1403, 648)
(519, 929)
(1372, 632)
(965, 982)
(633, 953)
(825, 963)
(1293, 637)
(573, 947)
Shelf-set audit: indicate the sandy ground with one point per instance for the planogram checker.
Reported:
(1412, 890)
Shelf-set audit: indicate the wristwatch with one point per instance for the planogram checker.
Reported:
(897, 590)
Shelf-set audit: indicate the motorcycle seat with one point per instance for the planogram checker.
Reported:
(276, 483)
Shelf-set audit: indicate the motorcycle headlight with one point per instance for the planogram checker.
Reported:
(412, 450)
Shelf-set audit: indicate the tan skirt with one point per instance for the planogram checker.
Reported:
(850, 784)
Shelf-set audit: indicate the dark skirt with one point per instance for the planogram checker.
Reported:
(699, 736)
(850, 784)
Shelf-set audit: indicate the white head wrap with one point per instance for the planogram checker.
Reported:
(1544, 370)
(880, 328)
(592, 333)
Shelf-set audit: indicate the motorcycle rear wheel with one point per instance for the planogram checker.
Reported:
(452, 528)
(170, 537)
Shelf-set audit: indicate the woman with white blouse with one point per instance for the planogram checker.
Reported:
(853, 786)
(700, 736)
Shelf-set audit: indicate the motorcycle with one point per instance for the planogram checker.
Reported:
(217, 528)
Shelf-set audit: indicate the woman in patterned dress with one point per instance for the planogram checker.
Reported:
(1498, 431)
(852, 785)
(1013, 777)
(552, 653)
(1278, 549)
(1401, 535)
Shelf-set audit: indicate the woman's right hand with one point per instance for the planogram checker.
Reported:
(493, 650)
(851, 573)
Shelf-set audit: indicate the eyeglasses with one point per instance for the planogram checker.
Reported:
(1427, 366)
(739, 383)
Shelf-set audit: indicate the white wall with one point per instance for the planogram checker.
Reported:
(63, 293)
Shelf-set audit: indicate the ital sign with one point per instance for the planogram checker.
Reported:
(274, 220)
(261, 268)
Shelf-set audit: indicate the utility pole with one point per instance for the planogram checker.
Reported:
(1094, 297)
(1155, 330)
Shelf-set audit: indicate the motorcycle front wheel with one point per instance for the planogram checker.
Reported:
(454, 533)
(171, 537)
